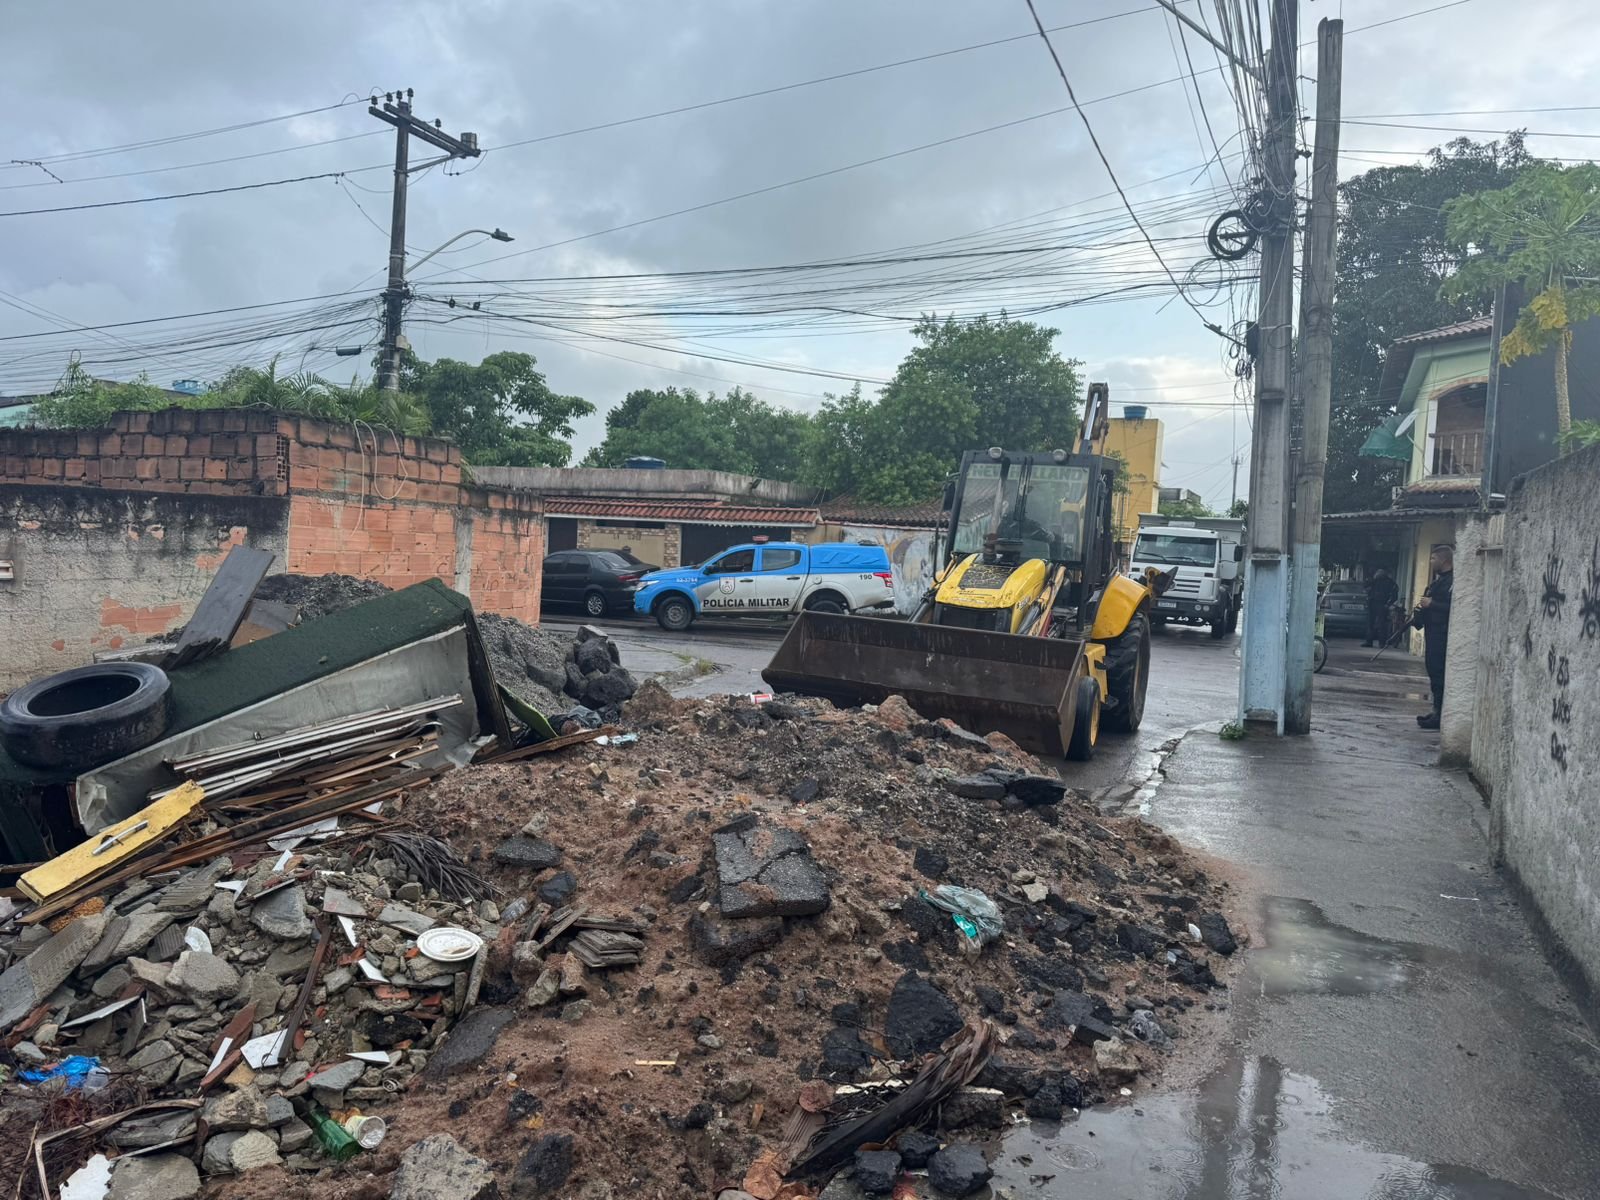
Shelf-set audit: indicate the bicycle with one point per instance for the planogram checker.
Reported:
(1319, 647)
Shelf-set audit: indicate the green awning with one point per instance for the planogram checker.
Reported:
(1384, 442)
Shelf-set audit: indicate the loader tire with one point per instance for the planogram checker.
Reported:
(1086, 722)
(1128, 674)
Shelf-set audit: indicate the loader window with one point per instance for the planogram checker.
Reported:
(1041, 505)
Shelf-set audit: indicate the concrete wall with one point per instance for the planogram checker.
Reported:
(662, 545)
(607, 481)
(1537, 727)
(1139, 443)
(115, 533)
(94, 569)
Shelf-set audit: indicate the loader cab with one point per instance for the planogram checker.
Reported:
(1010, 507)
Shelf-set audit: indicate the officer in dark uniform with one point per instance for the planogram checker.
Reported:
(1433, 618)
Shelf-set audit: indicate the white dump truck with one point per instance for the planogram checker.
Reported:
(1208, 552)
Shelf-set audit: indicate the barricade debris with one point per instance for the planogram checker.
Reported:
(705, 945)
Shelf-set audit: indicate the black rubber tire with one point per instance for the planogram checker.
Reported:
(594, 603)
(1219, 629)
(1128, 675)
(87, 716)
(1085, 722)
(826, 604)
(674, 613)
(1233, 617)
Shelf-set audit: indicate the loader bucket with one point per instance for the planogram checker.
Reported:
(1024, 687)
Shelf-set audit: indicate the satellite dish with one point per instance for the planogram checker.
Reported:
(1404, 427)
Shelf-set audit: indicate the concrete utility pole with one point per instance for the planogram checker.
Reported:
(1266, 589)
(1316, 375)
(396, 111)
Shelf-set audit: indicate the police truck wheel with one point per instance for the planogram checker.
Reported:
(674, 614)
(1085, 722)
(825, 605)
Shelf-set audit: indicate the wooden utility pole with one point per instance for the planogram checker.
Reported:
(1316, 375)
(1266, 589)
(396, 111)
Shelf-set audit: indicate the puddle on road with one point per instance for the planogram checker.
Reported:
(1306, 952)
(1252, 1132)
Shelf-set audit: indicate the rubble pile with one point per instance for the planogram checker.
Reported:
(781, 861)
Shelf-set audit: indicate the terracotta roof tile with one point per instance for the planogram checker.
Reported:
(702, 512)
(847, 510)
(1476, 327)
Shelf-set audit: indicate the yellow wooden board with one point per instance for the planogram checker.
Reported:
(121, 841)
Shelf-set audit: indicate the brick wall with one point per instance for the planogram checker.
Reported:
(116, 531)
(96, 568)
(659, 544)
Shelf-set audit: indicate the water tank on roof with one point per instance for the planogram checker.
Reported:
(1134, 412)
(643, 462)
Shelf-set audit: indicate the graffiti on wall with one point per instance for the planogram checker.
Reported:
(910, 557)
(1552, 605)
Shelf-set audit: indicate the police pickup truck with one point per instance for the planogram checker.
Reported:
(769, 579)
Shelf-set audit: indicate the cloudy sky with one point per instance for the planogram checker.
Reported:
(965, 151)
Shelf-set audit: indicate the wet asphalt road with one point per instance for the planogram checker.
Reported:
(1395, 1032)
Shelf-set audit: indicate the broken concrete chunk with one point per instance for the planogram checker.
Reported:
(544, 1167)
(157, 1062)
(721, 943)
(531, 854)
(920, 1017)
(336, 1079)
(283, 914)
(469, 1042)
(1214, 932)
(974, 1108)
(104, 952)
(767, 871)
(958, 1170)
(242, 1109)
(141, 931)
(293, 1135)
(139, 1132)
(154, 1177)
(876, 1171)
(193, 891)
(339, 903)
(574, 982)
(204, 976)
(279, 1111)
(1087, 1018)
(558, 889)
(1037, 789)
(977, 787)
(26, 984)
(236, 1153)
(1115, 1061)
(437, 1167)
(544, 990)
(413, 923)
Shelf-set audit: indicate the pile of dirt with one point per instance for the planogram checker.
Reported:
(318, 595)
(780, 857)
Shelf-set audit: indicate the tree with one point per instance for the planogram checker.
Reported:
(80, 401)
(1188, 506)
(1539, 232)
(1239, 510)
(735, 432)
(1394, 253)
(988, 382)
(304, 392)
(501, 412)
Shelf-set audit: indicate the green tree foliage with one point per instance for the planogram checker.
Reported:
(303, 392)
(1394, 253)
(1541, 232)
(501, 412)
(81, 401)
(733, 432)
(1187, 507)
(1239, 510)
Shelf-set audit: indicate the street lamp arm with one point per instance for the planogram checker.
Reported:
(499, 235)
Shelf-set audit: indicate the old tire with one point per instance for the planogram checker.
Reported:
(1128, 674)
(86, 716)
(1085, 722)
(825, 604)
(594, 603)
(674, 614)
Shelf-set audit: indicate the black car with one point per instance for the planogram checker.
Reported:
(1344, 607)
(597, 581)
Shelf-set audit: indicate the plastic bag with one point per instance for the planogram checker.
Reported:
(78, 1071)
(976, 916)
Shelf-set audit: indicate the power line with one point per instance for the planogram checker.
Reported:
(1463, 129)
(1062, 71)
(239, 187)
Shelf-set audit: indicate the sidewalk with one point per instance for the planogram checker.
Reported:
(1396, 1032)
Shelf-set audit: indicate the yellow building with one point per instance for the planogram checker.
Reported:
(1136, 439)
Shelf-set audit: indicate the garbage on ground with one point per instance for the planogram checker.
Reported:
(975, 915)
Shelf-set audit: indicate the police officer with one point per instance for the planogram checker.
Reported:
(1433, 618)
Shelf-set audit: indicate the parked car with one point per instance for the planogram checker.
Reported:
(770, 579)
(597, 581)
(1344, 607)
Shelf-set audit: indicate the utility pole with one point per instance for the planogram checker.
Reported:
(1316, 375)
(1233, 495)
(1266, 589)
(396, 111)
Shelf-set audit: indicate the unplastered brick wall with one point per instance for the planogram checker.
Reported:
(96, 569)
(115, 532)
(645, 542)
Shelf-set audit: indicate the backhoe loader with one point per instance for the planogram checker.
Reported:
(1028, 628)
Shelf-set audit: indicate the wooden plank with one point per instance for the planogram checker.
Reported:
(234, 1035)
(221, 610)
(116, 845)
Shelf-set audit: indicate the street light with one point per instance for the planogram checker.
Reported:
(499, 235)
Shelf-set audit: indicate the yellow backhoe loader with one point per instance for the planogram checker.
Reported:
(1028, 629)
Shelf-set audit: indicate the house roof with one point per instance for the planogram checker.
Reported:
(847, 510)
(1476, 327)
(692, 512)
